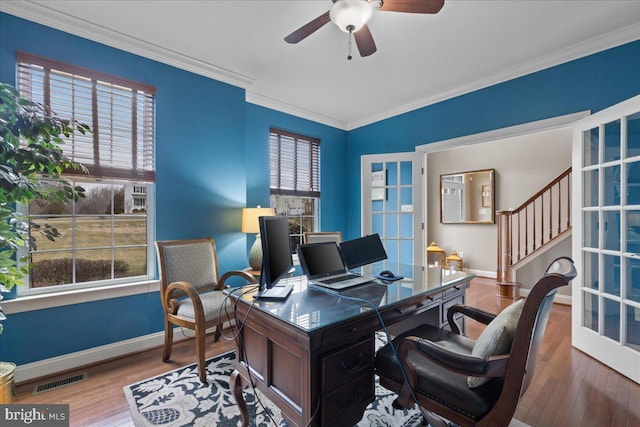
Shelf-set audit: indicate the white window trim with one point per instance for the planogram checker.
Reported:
(25, 303)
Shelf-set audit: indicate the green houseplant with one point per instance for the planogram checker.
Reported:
(31, 139)
(31, 165)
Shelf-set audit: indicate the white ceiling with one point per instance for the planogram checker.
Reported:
(421, 59)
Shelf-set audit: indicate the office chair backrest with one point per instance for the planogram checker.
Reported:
(530, 331)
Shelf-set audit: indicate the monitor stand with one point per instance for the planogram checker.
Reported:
(276, 292)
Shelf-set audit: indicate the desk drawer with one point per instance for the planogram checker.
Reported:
(345, 364)
(349, 333)
(412, 309)
(453, 291)
(340, 406)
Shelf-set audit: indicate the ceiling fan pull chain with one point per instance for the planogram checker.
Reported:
(350, 28)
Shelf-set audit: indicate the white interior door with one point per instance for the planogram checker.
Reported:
(392, 204)
(606, 245)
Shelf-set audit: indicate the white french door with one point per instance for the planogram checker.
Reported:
(606, 237)
(392, 204)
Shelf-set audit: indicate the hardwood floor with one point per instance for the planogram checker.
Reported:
(569, 388)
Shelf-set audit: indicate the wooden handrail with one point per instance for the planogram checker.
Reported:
(548, 208)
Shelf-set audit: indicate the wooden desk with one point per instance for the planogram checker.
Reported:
(312, 354)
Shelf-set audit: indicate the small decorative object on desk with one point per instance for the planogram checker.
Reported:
(454, 262)
(434, 251)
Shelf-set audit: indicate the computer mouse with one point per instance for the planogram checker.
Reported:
(387, 273)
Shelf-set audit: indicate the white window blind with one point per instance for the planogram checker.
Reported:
(120, 113)
(294, 164)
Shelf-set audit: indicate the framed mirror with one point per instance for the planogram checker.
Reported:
(468, 197)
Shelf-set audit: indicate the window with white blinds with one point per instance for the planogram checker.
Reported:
(120, 113)
(294, 164)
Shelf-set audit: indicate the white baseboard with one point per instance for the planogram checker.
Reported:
(482, 273)
(559, 299)
(79, 359)
(46, 367)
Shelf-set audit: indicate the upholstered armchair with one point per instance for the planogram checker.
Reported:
(191, 292)
(472, 382)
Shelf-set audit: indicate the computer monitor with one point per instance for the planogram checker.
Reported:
(362, 251)
(276, 250)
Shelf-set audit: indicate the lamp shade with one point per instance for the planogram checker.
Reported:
(250, 218)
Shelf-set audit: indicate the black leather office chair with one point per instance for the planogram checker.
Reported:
(451, 382)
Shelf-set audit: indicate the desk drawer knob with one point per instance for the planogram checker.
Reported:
(349, 369)
(353, 330)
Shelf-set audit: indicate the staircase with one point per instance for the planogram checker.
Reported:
(541, 220)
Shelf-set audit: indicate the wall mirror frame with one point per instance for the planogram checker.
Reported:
(468, 197)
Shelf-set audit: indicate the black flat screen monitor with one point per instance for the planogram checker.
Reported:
(276, 250)
(362, 251)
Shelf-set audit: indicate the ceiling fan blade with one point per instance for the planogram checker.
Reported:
(412, 6)
(308, 29)
(365, 42)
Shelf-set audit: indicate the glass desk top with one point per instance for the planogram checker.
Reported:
(311, 307)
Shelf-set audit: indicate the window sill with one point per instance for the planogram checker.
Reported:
(58, 299)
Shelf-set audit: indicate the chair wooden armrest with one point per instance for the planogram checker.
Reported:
(236, 273)
(472, 312)
(191, 293)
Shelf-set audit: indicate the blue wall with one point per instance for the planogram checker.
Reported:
(591, 83)
(209, 145)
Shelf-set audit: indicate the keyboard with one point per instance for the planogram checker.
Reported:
(341, 278)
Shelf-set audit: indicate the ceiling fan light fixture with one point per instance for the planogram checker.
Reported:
(351, 15)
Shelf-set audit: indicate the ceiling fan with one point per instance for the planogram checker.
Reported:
(352, 16)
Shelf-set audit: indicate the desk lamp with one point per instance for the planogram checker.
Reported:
(250, 225)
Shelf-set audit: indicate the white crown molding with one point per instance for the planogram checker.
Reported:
(283, 107)
(44, 15)
(49, 17)
(576, 51)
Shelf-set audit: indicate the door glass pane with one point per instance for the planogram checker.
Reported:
(612, 319)
(633, 279)
(590, 311)
(590, 147)
(406, 251)
(611, 186)
(611, 271)
(611, 230)
(633, 183)
(391, 225)
(633, 135)
(590, 227)
(377, 225)
(612, 141)
(590, 270)
(406, 197)
(392, 173)
(633, 231)
(391, 247)
(406, 175)
(406, 226)
(590, 187)
(392, 200)
(633, 327)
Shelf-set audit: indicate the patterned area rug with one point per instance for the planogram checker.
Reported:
(178, 398)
